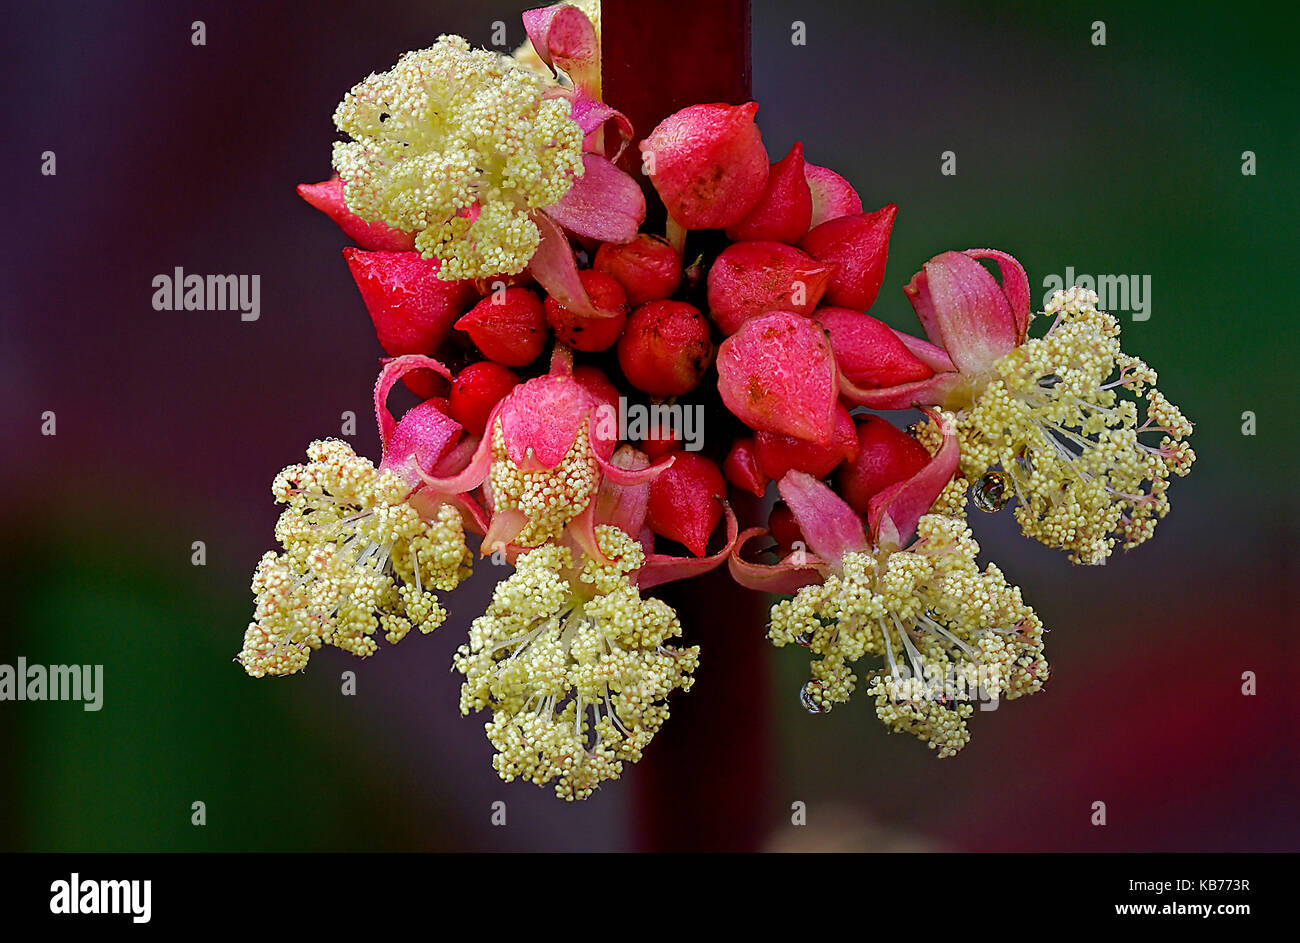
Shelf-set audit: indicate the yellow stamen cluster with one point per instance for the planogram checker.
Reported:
(1050, 417)
(574, 666)
(357, 558)
(549, 497)
(452, 131)
(949, 634)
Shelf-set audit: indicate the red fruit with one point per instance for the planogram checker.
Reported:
(867, 351)
(784, 212)
(886, 456)
(685, 501)
(507, 326)
(832, 195)
(741, 468)
(751, 278)
(660, 440)
(591, 334)
(411, 307)
(785, 530)
(858, 247)
(707, 163)
(648, 267)
(327, 196)
(594, 381)
(778, 454)
(665, 348)
(477, 389)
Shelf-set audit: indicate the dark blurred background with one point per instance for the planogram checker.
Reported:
(1117, 159)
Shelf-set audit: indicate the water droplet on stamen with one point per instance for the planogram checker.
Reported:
(804, 639)
(807, 697)
(990, 493)
(1024, 462)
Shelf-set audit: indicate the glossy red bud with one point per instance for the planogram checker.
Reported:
(752, 278)
(476, 390)
(858, 247)
(412, 309)
(867, 351)
(778, 454)
(665, 348)
(327, 196)
(784, 529)
(648, 267)
(784, 212)
(707, 163)
(685, 503)
(660, 440)
(886, 456)
(741, 468)
(507, 326)
(591, 334)
(593, 380)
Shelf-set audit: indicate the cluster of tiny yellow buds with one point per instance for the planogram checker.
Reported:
(457, 145)
(947, 634)
(1050, 427)
(356, 558)
(548, 497)
(574, 665)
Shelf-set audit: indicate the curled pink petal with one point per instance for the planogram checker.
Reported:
(964, 309)
(564, 38)
(441, 434)
(892, 515)
(831, 527)
(777, 374)
(556, 270)
(604, 203)
(932, 355)
(540, 419)
(832, 195)
(663, 568)
(931, 392)
(1015, 285)
(624, 506)
(593, 116)
(782, 578)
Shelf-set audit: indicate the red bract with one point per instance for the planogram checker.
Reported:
(707, 163)
(751, 278)
(648, 267)
(777, 374)
(686, 501)
(858, 247)
(886, 456)
(327, 196)
(413, 310)
(832, 195)
(741, 468)
(507, 326)
(869, 352)
(476, 391)
(784, 212)
(665, 348)
(778, 454)
(585, 333)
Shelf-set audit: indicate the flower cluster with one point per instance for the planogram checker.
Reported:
(494, 226)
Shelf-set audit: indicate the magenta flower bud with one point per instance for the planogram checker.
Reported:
(648, 267)
(832, 195)
(858, 247)
(752, 278)
(784, 212)
(707, 163)
(665, 348)
(686, 501)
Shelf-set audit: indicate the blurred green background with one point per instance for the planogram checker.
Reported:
(1117, 159)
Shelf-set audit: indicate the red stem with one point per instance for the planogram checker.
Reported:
(704, 782)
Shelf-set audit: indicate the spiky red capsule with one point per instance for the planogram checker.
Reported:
(784, 212)
(753, 278)
(858, 247)
(686, 501)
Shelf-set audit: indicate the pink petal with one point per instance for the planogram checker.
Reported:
(1015, 285)
(624, 506)
(832, 195)
(931, 392)
(782, 578)
(831, 527)
(777, 374)
(327, 196)
(540, 419)
(964, 309)
(391, 372)
(556, 270)
(565, 38)
(893, 513)
(933, 356)
(592, 115)
(604, 203)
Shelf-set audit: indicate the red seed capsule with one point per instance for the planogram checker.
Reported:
(648, 267)
(857, 246)
(886, 456)
(867, 351)
(741, 468)
(752, 278)
(778, 454)
(591, 334)
(477, 389)
(784, 211)
(508, 326)
(785, 530)
(685, 501)
(665, 348)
